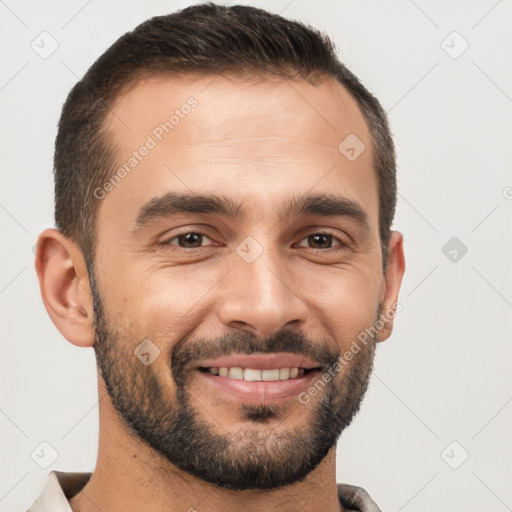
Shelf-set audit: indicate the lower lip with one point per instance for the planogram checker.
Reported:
(259, 391)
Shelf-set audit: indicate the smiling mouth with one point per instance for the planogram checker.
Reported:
(258, 375)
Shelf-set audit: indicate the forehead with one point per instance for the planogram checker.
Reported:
(258, 140)
(316, 113)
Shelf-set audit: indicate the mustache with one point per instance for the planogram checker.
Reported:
(189, 351)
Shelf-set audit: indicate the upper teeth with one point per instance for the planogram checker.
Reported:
(252, 374)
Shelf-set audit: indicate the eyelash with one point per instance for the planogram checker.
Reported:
(342, 245)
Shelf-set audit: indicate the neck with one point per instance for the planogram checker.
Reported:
(129, 475)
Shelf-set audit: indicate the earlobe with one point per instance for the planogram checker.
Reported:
(391, 286)
(64, 285)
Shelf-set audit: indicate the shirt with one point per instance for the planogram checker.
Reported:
(60, 486)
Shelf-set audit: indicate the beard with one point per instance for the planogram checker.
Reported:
(253, 456)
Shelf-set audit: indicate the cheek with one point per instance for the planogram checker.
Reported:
(165, 302)
(346, 303)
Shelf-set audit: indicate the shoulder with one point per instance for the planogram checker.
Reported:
(356, 498)
(59, 486)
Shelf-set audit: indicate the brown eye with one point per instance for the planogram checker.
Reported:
(189, 240)
(319, 241)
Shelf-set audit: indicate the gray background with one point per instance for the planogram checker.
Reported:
(441, 389)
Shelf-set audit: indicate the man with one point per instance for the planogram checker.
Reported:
(224, 194)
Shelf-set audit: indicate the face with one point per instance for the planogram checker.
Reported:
(238, 259)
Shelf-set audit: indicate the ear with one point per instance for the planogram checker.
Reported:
(64, 284)
(391, 286)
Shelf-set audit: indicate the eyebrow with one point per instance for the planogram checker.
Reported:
(173, 203)
(328, 205)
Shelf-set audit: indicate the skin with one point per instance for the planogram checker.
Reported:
(260, 143)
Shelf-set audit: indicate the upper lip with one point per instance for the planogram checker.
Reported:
(260, 361)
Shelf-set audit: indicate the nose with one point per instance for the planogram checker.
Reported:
(262, 296)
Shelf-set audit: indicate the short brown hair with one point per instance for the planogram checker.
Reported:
(205, 38)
